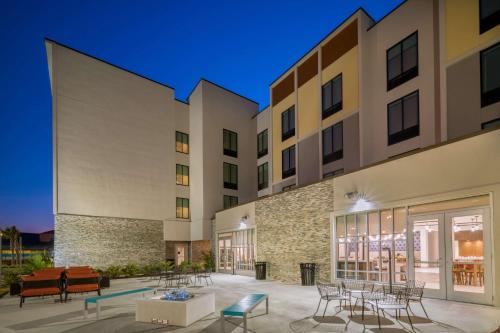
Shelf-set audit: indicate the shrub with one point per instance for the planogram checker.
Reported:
(131, 269)
(113, 271)
(37, 261)
(209, 260)
(184, 266)
(11, 275)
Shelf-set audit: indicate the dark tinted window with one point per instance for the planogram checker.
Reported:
(402, 61)
(332, 96)
(230, 201)
(333, 145)
(403, 118)
(262, 176)
(262, 144)
(230, 176)
(230, 143)
(490, 75)
(489, 12)
(288, 123)
(288, 162)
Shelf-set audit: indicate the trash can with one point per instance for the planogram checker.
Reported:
(307, 273)
(260, 270)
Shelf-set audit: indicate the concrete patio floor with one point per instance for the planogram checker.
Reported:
(291, 307)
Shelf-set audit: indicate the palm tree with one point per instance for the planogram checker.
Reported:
(12, 234)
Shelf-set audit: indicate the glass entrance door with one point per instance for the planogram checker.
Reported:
(447, 252)
(468, 265)
(225, 254)
(427, 253)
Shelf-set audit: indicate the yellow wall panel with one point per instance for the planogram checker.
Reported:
(348, 66)
(308, 107)
(278, 146)
(462, 28)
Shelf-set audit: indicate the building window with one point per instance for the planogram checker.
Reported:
(262, 144)
(403, 118)
(332, 96)
(230, 201)
(288, 162)
(262, 176)
(288, 123)
(489, 12)
(181, 142)
(230, 176)
(333, 143)
(182, 175)
(491, 124)
(230, 142)
(182, 208)
(490, 75)
(361, 241)
(402, 61)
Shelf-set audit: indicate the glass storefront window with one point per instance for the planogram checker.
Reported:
(351, 225)
(386, 222)
(340, 227)
(362, 243)
(373, 225)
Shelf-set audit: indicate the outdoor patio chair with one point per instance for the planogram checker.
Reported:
(358, 290)
(205, 274)
(81, 282)
(417, 291)
(397, 301)
(42, 285)
(331, 292)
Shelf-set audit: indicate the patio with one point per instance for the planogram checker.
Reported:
(290, 309)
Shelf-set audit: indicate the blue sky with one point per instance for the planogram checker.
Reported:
(241, 45)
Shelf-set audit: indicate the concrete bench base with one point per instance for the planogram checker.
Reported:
(177, 313)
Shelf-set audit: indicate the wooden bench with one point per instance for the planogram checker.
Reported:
(243, 307)
(98, 299)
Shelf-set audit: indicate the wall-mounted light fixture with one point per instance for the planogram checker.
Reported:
(243, 222)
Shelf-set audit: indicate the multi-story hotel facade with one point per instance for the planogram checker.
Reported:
(380, 138)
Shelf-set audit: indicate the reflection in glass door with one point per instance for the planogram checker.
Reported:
(447, 253)
(225, 254)
(466, 242)
(427, 253)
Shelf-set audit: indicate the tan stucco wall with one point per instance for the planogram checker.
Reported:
(408, 18)
(113, 140)
(461, 18)
(229, 219)
(215, 109)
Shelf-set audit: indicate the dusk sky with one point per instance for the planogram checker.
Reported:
(241, 45)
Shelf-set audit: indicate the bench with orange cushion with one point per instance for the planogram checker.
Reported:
(81, 282)
(36, 286)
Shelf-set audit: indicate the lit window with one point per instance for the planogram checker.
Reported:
(182, 175)
(182, 208)
(181, 142)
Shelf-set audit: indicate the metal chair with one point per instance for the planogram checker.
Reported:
(397, 301)
(357, 289)
(331, 292)
(206, 274)
(416, 293)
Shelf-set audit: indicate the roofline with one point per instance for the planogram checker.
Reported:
(389, 13)
(219, 86)
(107, 62)
(181, 101)
(322, 40)
(267, 108)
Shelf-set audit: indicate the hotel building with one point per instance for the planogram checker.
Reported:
(382, 137)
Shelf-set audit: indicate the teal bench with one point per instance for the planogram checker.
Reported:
(98, 299)
(243, 307)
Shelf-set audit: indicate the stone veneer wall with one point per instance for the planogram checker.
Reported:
(197, 249)
(104, 241)
(294, 227)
